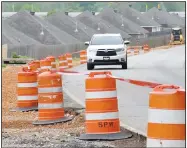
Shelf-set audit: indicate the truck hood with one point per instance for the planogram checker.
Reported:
(95, 47)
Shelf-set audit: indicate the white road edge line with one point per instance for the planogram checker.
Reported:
(121, 123)
(73, 97)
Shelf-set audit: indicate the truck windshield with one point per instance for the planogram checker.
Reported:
(106, 40)
(176, 32)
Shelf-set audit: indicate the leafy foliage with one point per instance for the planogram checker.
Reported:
(82, 6)
(51, 12)
(14, 55)
(3, 66)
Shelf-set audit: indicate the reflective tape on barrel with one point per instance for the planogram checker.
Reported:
(63, 61)
(50, 105)
(45, 67)
(53, 63)
(83, 60)
(49, 90)
(101, 116)
(27, 84)
(166, 116)
(69, 59)
(83, 56)
(165, 143)
(23, 98)
(101, 94)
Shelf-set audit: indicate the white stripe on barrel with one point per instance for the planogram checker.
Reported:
(165, 143)
(101, 116)
(53, 63)
(63, 61)
(166, 116)
(50, 90)
(45, 67)
(50, 105)
(83, 60)
(35, 84)
(101, 94)
(82, 56)
(23, 98)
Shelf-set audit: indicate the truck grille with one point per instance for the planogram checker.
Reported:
(176, 38)
(103, 53)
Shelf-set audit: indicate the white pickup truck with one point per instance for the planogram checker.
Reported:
(106, 49)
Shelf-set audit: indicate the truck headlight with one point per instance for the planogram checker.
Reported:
(120, 49)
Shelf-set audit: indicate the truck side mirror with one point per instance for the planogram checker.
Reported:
(87, 43)
(126, 42)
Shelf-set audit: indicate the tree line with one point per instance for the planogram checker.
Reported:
(82, 6)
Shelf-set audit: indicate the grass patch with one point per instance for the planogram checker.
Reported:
(14, 55)
(3, 66)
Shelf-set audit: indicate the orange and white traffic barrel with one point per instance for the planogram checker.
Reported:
(83, 57)
(27, 91)
(63, 63)
(136, 51)
(69, 60)
(53, 62)
(101, 113)
(50, 99)
(35, 66)
(128, 51)
(166, 117)
(45, 65)
(146, 48)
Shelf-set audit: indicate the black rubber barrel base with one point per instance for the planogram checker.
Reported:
(46, 122)
(111, 136)
(25, 109)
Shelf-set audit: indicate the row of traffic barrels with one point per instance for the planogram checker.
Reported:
(135, 50)
(166, 111)
(49, 63)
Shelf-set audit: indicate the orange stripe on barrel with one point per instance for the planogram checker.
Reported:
(50, 114)
(27, 91)
(25, 104)
(50, 98)
(166, 131)
(101, 105)
(168, 100)
(102, 126)
(48, 81)
(100, 84)
(27, 77)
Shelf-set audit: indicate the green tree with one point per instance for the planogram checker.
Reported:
(51, 12)
(30, 7)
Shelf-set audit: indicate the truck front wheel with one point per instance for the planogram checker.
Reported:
(90, 66)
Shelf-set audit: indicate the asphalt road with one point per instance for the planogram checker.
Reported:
(165, 66)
